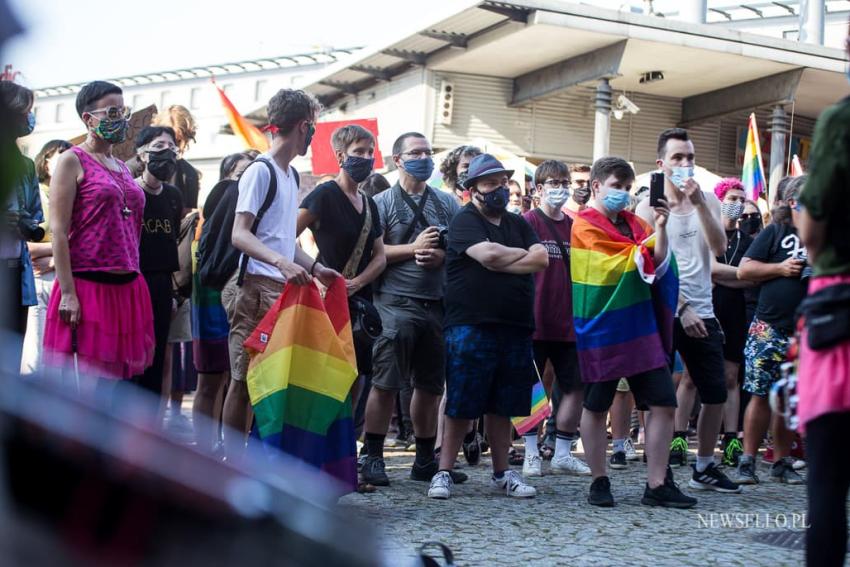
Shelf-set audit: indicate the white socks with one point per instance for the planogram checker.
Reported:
(531, 444)
(563, 448)
(619, 445)
(703, 462)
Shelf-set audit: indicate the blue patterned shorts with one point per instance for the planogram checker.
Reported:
(489, 370)
(764, 353)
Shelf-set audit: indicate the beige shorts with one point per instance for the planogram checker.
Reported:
(246, 306)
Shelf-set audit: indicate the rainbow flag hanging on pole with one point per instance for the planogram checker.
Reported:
(300, 376)
(540, 408)
(247, 132)
(752, 175)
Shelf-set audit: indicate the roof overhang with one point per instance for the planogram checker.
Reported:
(546, 41)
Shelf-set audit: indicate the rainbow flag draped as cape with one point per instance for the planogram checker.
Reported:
(623, 304)
(540, 410)
(752, 175)
(247, 132)
(300, 376)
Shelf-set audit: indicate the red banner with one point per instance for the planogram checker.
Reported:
(324, 160)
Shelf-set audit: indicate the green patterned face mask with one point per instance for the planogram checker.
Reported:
(112, 131)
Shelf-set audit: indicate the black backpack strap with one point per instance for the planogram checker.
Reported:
(554, 232)
(270, 196)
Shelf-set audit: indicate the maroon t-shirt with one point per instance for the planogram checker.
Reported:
(553, 297)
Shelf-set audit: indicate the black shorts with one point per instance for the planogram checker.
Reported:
(732, 316)
(704, 360)
(650, 388)
(564, 359)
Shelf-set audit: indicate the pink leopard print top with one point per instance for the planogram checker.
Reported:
(100, 237)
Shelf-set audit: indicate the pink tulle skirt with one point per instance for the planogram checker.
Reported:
(115, 336)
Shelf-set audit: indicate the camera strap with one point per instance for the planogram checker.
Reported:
(350, 269)
(418, 212)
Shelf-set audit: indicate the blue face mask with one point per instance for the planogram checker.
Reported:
(358, 168)
(679, 175)
(616, 200)
(419, 169)
(27, 125)
(497, 199)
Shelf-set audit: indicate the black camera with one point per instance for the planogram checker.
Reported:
(442, 233)
(29, 228)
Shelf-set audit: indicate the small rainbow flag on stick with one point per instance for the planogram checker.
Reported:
(247, 132)
(540, 409)
(752, 175)
(300, 376)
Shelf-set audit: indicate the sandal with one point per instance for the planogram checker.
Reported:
(514, 457)
(365, 488)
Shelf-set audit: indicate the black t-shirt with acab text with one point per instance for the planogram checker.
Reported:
(160, 228)
(337, 228)
(779, 297)
(476, 295)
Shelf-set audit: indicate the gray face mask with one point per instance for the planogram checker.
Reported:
(732, 211)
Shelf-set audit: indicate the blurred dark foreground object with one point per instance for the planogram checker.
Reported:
(82, 486)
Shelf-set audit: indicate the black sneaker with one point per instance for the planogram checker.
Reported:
(472, 450)
(618, 460)
(713, 479)
(600, 493)
(678, 452)
(424, 473)
(667, 495)
(374, 472)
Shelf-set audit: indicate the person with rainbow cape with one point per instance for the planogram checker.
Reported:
(625, 287)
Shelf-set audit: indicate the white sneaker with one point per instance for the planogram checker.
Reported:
(629, 448)
(570, 465)
(799, 465)
(532, 465)
(513, 485)
(441, 486)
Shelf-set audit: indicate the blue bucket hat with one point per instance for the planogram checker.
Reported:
(482, 166)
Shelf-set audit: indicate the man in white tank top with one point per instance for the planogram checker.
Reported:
(696, 234)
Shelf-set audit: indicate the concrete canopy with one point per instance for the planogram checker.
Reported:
(518, 39)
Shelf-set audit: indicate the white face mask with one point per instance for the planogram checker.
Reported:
(557, 197)
(679, 175)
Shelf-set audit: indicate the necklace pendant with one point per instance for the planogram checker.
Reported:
(126, 212)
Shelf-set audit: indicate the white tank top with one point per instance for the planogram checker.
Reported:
(694, 259)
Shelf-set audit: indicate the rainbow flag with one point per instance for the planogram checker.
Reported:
(300, 376)
(540, 410)
(752, 175)
(623, 304)
(250, 134)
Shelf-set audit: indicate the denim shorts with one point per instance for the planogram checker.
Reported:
(489, 370)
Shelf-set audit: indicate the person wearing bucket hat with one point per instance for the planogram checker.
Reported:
(489, 320)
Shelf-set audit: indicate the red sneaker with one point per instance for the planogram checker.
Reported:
(768, 455)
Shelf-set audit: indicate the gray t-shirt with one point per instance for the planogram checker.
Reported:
(406, 278)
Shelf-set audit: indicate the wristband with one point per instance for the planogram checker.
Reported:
(313, 267)
(682, 308)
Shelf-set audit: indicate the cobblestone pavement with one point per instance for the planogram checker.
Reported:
(560, 528)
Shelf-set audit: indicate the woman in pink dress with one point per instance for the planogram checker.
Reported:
(99, 308)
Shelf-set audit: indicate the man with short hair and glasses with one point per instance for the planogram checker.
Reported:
(409, 297)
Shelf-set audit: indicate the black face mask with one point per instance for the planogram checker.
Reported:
(496, 200)
(162, 164)
(749, 226)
